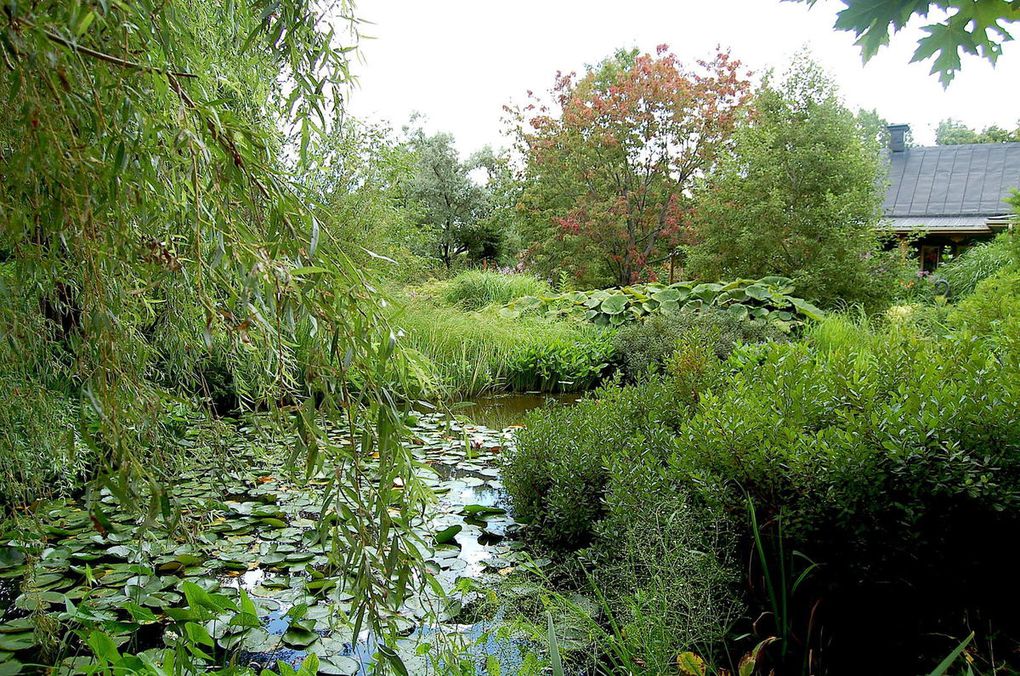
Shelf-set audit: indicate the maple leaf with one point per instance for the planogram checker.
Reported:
(976, 27)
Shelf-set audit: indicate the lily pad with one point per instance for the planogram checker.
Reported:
(11, 557)
(338, 665)
(14, 642)
(448, 535)
(298, 637)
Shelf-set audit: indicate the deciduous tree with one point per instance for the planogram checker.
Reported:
(610, 164)
(953, 132)
(447, 204)
(800, 196)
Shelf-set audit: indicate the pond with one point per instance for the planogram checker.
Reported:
(259, 532)
(500, 411)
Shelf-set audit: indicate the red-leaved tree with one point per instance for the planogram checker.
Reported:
(609, 165)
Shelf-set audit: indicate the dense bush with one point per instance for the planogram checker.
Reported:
(474, 289)
(558, 469)
(644, 348)
(890, 458)
(993, 308)
(668, 566)
(965, 272)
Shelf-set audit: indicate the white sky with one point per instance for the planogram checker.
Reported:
(459, 61)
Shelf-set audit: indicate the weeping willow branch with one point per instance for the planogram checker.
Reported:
(107, 58)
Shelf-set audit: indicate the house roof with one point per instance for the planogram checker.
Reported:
(951, 188)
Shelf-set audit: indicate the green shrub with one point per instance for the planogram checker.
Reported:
(890, 457)
(475, 289)
(668, 567)
(978, 263)
(994, 306)
(556, 472)
(645, 347)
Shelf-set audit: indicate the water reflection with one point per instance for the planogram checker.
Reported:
(506, 410)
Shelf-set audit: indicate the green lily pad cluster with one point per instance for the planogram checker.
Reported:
(251, 578)
(766, 299)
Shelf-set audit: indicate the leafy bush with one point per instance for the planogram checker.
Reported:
(994, 306)
(889, 457)
(557, 470)
(474, 289)
(645, 347)
(667, 565)
(978, 263)
(559, 365)
(765, 299)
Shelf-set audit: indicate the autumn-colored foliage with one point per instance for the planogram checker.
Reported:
(611, 160)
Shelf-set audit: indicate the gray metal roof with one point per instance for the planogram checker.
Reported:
(951, 187)
(939, 222)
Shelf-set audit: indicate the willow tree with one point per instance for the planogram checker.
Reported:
(152, 215)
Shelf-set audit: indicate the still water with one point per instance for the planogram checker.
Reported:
(500, 411)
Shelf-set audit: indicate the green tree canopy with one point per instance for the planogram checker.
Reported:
(799, 196)
(448, 206)
(953, 132)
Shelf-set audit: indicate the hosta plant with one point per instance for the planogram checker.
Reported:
(768, 298)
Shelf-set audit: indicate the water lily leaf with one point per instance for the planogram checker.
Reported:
(480, 511)
(338, 665)
(14, 642)
(447, 535)
(11, 557)
(17, 626)
(10, 666)
(260, 641)
(299, 637)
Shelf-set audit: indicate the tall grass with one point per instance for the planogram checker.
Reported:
(475, 289)
(965, 272)
(474, 353)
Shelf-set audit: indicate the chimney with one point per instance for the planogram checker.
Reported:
(897, 137)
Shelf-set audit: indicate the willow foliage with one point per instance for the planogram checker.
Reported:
(153, 219)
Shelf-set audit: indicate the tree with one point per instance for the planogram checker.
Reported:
(362, 179)
(799, 196)
(448, 206)
(974, 26)
(502, 224)
(152, 210)
(953, 132)
(607, 174)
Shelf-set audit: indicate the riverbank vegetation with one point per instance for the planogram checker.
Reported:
(226, 305)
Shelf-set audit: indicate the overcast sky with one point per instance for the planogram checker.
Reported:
(459, 61)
